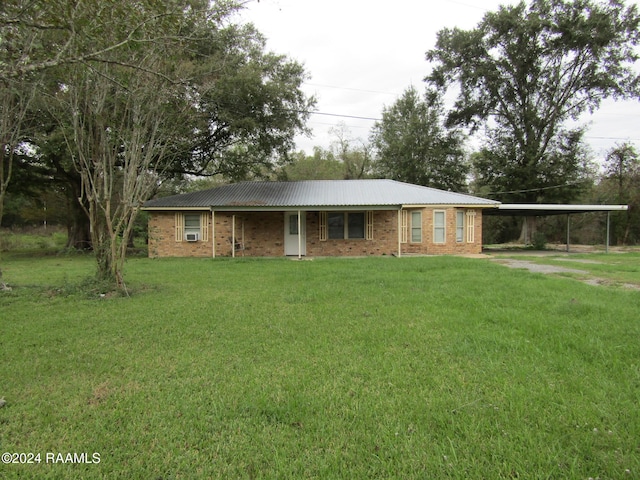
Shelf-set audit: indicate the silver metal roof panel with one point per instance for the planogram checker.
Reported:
(319, 194)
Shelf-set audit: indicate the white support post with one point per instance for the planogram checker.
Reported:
(400, 232)
(299, 235)
(213, 234)
(233, 236)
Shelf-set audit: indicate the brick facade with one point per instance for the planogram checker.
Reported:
(262, 235)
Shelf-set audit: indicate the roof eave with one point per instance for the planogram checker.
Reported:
(450, 205)
(173, 208)
(316, 208)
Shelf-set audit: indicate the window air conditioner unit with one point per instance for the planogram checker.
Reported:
(192, 237)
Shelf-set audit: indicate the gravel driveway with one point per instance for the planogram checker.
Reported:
(537, 268)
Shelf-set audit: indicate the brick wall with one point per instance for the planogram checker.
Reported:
(262, 234)
(162, 238)
(450, 246)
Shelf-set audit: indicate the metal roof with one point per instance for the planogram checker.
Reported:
(320, 194)
(542, 209)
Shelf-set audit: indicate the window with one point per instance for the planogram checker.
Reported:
(293, 224)
(459, 226)
(416, 227)
(355, 225)
(346, 225)
(336, 224)
(192, 223)
(439, 226)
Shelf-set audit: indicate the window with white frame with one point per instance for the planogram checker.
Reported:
(191, 223)
(459, 226)
(416, 227)
(439, 228)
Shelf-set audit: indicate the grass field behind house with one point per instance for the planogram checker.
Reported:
(404, 368)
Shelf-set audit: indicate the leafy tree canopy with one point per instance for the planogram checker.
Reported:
(413, 145)
(526, 70)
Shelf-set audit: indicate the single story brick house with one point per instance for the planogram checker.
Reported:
(316, 218)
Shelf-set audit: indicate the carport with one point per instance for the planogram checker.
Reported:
(541, 210)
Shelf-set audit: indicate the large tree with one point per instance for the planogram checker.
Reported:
(523, 73)
(414, 146)
(142, 87)
(248, 106)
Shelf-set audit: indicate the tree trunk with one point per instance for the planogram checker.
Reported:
(529, 227)
(78, 227)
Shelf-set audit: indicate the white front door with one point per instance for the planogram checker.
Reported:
(295, 238)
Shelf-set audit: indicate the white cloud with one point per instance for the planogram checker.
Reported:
(362, 54)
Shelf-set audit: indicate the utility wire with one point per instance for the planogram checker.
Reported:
(344, 116)
(537, 189)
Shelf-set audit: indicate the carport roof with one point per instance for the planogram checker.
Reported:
(542, 209)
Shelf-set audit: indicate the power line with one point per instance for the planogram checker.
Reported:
(326, 114)
(539, 189)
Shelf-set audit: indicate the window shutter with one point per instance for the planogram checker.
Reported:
(369, 225)
(179, 227)
(323, 226)
(471, 232)
(204, 227)
(404, 226)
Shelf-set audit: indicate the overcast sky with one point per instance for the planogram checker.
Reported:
(361, 55)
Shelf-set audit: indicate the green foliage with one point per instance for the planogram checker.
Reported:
(429, 367)
(346, 159)
(621, 184)
(525, 71)
(322, 165)
(249, 106)
(539, 241)
(413, 145)
(39, 239)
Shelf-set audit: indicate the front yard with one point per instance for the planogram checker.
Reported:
(432, 367)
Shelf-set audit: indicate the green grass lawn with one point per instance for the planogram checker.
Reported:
(405, 368)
